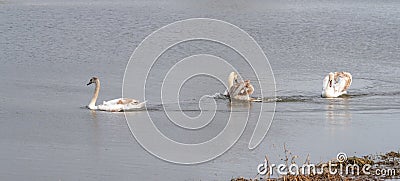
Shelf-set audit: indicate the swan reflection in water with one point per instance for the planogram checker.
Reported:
(239, 104)
(337, 111)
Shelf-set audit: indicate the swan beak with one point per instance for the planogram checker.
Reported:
(330, 83)
(89, 83)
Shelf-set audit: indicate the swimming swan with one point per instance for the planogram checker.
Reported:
(239, 90)
(336, 84)
(116, 105)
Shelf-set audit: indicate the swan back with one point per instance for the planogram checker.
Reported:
(121, 104)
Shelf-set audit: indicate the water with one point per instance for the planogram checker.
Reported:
(50, 49)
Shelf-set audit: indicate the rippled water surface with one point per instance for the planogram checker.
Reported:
(50, 49)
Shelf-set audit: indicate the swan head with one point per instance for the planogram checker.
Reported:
(331, 77)
(92, 80)
(233, 75)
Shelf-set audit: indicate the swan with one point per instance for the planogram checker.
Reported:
(115, 105)
(239, 90)
(336, 84)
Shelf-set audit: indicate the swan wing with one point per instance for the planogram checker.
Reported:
(110, 107)
(232, 90)
(120, 101)
(120, 104)
(239, 91)
(134, 106)
(111, 102)
(343, 81)
(249, 89)
(127, 101)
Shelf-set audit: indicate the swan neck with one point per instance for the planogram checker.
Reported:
(92, 104)
(330, 81)
(230, 80)
(327, 84)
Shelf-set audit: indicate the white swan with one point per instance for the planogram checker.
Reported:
(336, 84)
(115, 105)
(239, 90)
